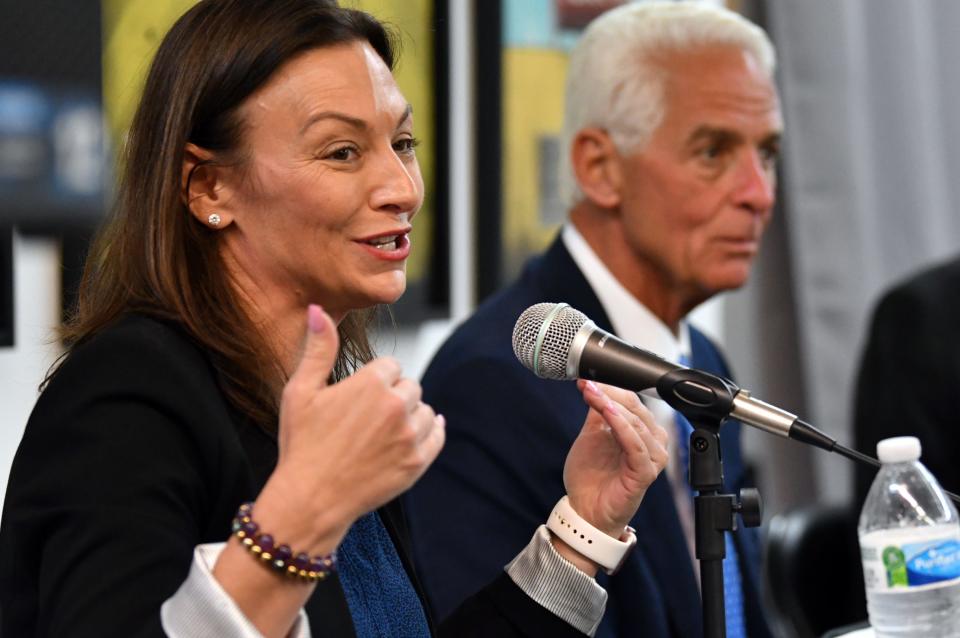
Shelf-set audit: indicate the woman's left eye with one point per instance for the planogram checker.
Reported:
(342, 154)
(406, 145)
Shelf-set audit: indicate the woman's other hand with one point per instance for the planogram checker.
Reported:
(620, 451)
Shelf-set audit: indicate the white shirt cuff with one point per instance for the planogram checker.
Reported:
(557, 584)
(202, 608)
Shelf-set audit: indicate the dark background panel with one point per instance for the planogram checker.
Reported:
(52, 158)
(55, 41)
(488, 21)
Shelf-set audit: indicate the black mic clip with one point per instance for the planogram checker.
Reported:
(705, 399)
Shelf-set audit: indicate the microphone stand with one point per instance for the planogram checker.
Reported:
(706, 400)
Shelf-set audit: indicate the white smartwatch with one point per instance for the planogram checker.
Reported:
(607, 551)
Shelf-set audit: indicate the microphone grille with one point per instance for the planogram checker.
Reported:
(542, 338)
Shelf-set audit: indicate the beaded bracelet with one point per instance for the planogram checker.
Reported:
(282, 558)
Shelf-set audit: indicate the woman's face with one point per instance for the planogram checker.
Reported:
(323, 203)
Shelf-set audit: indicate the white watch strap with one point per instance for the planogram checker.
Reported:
(606, 551)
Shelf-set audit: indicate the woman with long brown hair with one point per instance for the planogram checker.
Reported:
(270, 168)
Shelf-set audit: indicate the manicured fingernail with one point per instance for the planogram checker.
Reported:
(613, 408)
(441, 420)
(593, 387)
(315, 318)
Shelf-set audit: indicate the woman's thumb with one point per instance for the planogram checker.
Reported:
(320, 349)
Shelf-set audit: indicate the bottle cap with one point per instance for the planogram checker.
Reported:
(899, 449)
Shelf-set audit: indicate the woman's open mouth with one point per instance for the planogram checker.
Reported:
(392, 247)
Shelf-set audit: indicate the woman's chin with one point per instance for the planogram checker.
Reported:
(389, 292)
(384, 289)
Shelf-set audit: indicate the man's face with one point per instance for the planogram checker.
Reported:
(696, 199)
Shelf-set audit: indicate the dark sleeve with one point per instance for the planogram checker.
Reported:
(908, 378)
(503, 609)
(493, 484)
(105, 500)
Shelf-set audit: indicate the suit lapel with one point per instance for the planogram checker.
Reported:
(560, 280)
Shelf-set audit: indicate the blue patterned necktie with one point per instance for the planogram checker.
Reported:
(732, 585)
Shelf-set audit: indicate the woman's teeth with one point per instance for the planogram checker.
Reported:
(385, 243)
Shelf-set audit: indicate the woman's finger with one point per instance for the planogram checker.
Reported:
(653, 436)
(424, 420)
(655, 439)
(386, 369)
(659, 432)
(633, 425)
(639, 415)
(432, 445)
(593, 396)
(411, 393)
(627, 398)
(625, 432)
(630, 400)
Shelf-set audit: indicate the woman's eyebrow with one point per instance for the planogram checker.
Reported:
(355, 122)
(407, 112)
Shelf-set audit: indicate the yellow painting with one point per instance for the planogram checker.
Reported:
(533, 114)
(536, 40)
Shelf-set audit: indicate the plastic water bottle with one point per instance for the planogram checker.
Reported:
(910, 547)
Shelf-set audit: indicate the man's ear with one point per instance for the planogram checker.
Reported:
(202, 188)
(596, 166)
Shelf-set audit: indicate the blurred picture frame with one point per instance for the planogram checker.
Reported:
(534, 38)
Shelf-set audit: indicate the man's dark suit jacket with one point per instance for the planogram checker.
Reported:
(910, 375)
(131, 458)
(508, 433)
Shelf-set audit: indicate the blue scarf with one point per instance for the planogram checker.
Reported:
(382, 600)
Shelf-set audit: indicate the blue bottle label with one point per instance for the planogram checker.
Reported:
(932, 562)
(898, 559)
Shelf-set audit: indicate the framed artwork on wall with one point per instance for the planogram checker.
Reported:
(537, 38)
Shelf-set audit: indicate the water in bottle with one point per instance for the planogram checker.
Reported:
(910, 547)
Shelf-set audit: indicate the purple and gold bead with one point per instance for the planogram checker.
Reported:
(302, 561)
(282, 557)
(265, 541)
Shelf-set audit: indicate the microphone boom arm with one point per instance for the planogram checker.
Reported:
(700, 395)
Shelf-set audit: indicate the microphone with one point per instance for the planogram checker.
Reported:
(555, 341)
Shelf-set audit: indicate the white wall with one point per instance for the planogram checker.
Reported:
(37, 313)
